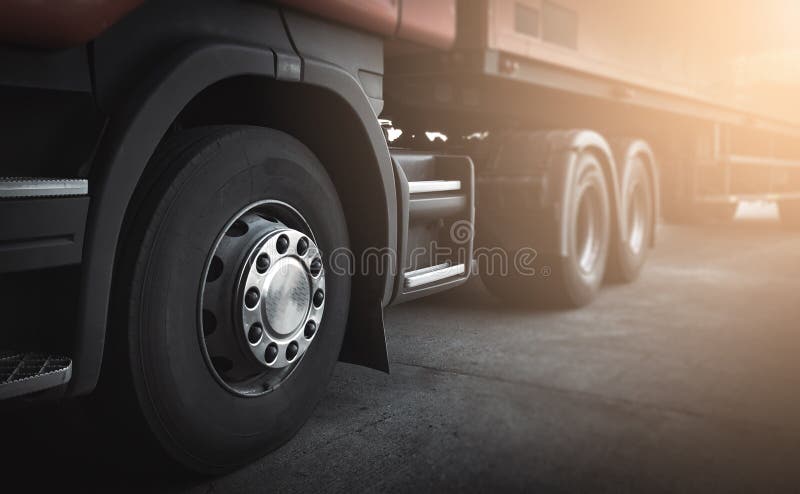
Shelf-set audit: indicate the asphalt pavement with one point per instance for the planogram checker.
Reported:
(687, 380)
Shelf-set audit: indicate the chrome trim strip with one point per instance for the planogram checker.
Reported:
(52, 187)
(424, 186)
(432, 274)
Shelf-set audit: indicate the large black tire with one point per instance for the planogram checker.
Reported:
(157, 383)
(630, 249)
(550, 280)
(790, 213)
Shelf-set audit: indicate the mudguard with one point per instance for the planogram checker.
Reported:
(547, 160)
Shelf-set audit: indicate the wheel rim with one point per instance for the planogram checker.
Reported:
(637, 218)
(588, 239)
(261, 299)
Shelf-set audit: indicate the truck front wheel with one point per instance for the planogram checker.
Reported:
(226, 322)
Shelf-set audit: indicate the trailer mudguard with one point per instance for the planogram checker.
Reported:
(548, 159)
(131, 137)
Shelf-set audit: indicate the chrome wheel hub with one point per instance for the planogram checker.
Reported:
(286, 294)
(262, 298)
(282, 300)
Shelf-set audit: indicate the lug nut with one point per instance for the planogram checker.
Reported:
(291, 350)
(311, 328)
(251, 298)
(302, 246)
(282, 244)
(316, 266)
(271, 353)
(262, 263)
(319, 297)
(254, 334)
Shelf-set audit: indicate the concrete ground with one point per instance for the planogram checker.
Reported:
(687, 380)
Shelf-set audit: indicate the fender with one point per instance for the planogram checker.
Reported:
(131, 138)
(550, 157)
(556, 153)
(365, 340)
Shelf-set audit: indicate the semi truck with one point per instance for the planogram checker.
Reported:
(205, 205)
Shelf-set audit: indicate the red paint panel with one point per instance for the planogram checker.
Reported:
(428, 22)
(377, 16)
(59, 23)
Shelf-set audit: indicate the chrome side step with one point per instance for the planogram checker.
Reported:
(425, 186)
(11, 187)
(432, 274)
(23, 373)
(436, 211)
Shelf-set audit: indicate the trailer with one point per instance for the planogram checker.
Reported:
(206, 204)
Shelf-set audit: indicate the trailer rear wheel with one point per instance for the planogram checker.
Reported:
(629, 251)
(226, 324)
(552, 280)
(790, 213)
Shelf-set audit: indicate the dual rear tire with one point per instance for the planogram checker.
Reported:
(597, 246)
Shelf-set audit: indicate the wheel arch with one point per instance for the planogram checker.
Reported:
(140, 124)
(347, 156)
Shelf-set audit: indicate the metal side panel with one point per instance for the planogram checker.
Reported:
(42, 223)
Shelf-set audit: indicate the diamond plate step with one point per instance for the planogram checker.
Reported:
(22, 373)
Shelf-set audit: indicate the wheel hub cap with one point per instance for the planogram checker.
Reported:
(287, 292)
(285, 304)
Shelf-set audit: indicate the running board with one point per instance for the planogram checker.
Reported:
(432, 274)
(24, 373)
